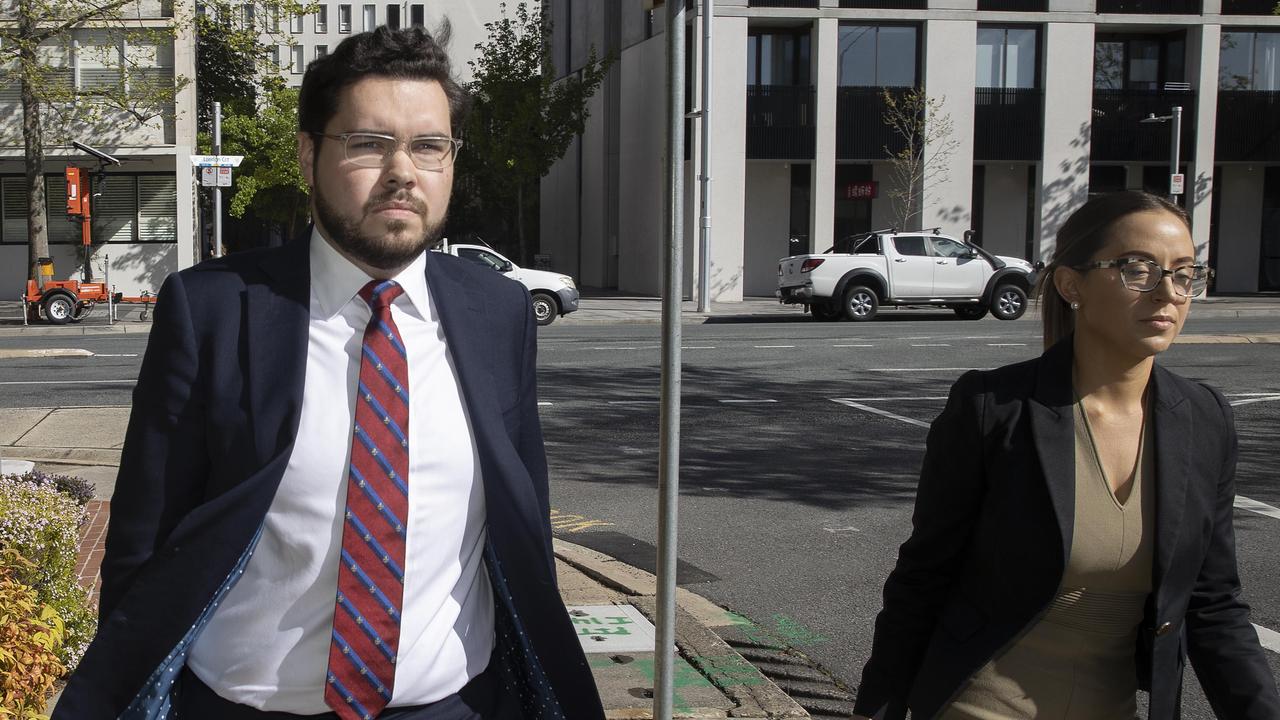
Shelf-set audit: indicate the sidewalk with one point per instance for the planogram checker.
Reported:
(612, 604)
(606, 307)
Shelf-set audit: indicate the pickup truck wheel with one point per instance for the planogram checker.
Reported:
(1008, 302)
(544, 308)
(972, 311)
(824, 312)
(860, 303)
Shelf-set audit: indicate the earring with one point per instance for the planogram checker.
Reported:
(1075, 305)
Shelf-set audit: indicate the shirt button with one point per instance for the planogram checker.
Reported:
(1164, 629)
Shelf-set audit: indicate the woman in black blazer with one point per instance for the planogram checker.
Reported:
(1072, 540)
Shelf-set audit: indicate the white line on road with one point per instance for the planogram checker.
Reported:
(878, 411)
(1244, 503)
(1267, 398)
(895, 399)
(1006, 344)
(697, 347)
(68, 382)
(634, 402)
(932, 345)
(1270, 639)
(543, 403)
(953, 369)
(115, 354)
(772, 347)
(853, 346)
(744, 402)
(614, 348)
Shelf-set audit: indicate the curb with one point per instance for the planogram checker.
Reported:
(755, 695)
(62, 456)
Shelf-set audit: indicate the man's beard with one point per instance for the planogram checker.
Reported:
(383, 252)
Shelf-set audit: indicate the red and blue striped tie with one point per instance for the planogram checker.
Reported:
(366, 618)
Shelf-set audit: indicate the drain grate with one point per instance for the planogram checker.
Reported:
(808, 683)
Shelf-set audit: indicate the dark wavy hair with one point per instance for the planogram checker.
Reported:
(1080, 238)
(409, 53)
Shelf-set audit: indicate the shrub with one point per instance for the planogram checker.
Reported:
(41, 524)
(31, 634)
(76, 488)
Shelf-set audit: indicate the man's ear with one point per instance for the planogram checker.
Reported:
(307, 157)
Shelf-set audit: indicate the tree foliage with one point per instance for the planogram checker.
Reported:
(521, 123)
(269, 182)
(927, 146)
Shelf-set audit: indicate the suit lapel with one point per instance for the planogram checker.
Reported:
(1053, 432)
(1173, 429)
(278, 312)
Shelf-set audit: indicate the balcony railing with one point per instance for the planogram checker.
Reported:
(1151, 7)
(1248, 7)
(1008, 124)
(885, 4)
(783, 3)
(1014, 5)
(1248, 125)
(861, 133)
(780, 122)
(1117, 134)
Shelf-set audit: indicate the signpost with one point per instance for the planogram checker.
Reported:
(215, 172)
(1177, 184)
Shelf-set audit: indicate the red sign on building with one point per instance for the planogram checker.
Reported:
(864, 190)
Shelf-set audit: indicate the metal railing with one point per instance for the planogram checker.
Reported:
(783, 3)
(861, 132)
(1151, 7)
(885, 4)
(1117, 135)
(780, 122)
(1248, 7)
(1248, 125)
(1014, 5)
(1008, 124)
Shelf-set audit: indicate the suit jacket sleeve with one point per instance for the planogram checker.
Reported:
(1221, 642)
(529, 444)
(163, 461)
(948, 500)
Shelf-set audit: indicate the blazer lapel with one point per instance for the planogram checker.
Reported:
(1053, 432)
(278, 311)
(1173, 438)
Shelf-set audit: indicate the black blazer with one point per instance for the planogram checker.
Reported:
(992, 529)
(215, 413)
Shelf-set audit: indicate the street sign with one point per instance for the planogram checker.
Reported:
(224, 176)
(208, 176)
(1177, 183)
(216, 160)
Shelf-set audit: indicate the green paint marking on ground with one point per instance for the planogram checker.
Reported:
(790, 630)
(727, 671)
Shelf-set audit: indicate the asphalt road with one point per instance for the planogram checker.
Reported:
(801, 442)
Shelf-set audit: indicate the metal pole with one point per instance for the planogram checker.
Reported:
(704, 229)
(106, 280)
(217, 191)
(669, 420)
(1176, 150)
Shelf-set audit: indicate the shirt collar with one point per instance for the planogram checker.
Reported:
(335, 280)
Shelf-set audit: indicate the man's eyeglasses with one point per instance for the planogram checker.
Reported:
(428, 152)
(1144, 275)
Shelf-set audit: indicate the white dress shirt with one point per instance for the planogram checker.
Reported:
(267, 645)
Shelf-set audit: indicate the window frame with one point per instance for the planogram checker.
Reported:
(344, 27)
(875, 72)
(1036, 63)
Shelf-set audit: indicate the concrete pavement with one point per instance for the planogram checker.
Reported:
(611, 603)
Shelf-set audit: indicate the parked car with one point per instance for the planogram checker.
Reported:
(554, 294)
(926, 268)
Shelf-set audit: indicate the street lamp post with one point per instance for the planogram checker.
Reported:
(1175, 141)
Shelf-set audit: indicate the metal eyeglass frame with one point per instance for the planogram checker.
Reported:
(346, 139)
(1158, 272)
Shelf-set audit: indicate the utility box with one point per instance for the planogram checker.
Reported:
(72, 175)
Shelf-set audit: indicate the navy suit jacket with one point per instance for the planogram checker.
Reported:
(215, 413)
(993, 525)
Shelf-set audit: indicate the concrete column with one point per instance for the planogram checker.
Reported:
(822, 195)
(728, 158)
(1241, 221)
(184, 65)
(1202, 70)
(949, 67)
(1068, 118)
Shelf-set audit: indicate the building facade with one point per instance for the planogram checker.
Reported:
(1046, 100)
(144, 213)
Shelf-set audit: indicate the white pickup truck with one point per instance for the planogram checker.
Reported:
(923, 268)
(554, 294)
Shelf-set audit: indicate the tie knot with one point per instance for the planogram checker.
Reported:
(380, 293)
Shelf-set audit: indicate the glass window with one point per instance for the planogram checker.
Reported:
(417, 15)
(1235, 63)
(1266, 62)
(1108, 66)
(97, 60)
(297, 60)
(322, 19)
(344, 18)
(13, 210)
(115, 209)
(990, 72)
(480, 257)
(157, 208)
(1144, 64)
(246, 15)
(877, 56)
(295, 24)
(369, 17)
(1020, 58)
(910, 245)
(321, 51)
(393, 17)
(946, 247)
(778, 59)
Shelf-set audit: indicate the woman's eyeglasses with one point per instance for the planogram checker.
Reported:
(1145, 275)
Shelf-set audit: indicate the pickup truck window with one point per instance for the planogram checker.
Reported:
(480, 257)
(945, 247)
(910, 245)
(867, 245)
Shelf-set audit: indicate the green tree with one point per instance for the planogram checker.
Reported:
(522, 120)
(269, 182)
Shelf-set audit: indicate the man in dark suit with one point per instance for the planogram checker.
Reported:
(333, 497)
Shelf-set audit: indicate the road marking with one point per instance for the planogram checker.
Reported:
(543, 403)
(838, 531)
(697, 347)
(43, 353)
(894, 399)
(634, 402)
(614, 348)
(1244, 503)
(853, 346)
(932, 345)
(1266, 398)
(878, 411)
(951, 369)
(1006, 344)
(772, 347)
(1270, 639)
(115, 354)
(917, 337)
(573, 523)
(744, 402)
(68, 382)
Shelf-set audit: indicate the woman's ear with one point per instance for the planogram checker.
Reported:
(1067, 281)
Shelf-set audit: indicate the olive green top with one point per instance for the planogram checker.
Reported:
(1077, 661)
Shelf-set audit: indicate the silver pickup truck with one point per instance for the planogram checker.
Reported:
(925, 268)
